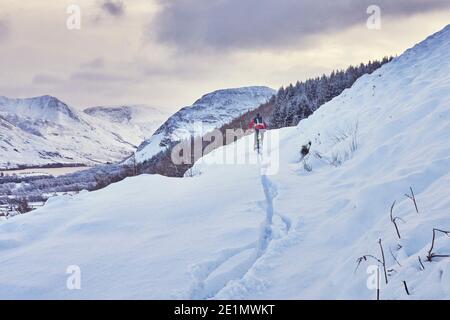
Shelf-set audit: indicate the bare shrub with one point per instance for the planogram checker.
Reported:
(432, 255)
(345, 143)
(191, 172)
(381, 261)
(23, 206)
(394, 220)
(412, 197)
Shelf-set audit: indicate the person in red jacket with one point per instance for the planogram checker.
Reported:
(260, 127)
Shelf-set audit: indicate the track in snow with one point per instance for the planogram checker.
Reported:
(270, 192)
(205, 285)
(233, 264)
(275, 236)
(231, 270)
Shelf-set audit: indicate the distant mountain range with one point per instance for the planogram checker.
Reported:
(44, 131)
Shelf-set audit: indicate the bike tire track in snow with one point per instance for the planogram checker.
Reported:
(270, 192)
(232, 274)
(205, 285)
(201, 289)
(270, 246)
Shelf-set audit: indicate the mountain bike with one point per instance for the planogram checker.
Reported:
(259, 140)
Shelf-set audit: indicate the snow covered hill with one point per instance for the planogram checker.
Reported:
(236, 231)
(45, 131)
(206, 114)
(136, 122)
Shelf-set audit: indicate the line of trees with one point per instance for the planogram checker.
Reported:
(299, 101)
(287, 108)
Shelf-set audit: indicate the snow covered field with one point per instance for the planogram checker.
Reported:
(44, 171)
(235, 232)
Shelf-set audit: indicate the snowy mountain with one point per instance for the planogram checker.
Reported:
(46, 131)
(254, 232)
(135, 122)
(206, 114)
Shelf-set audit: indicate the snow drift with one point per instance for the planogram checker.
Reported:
(232, 232)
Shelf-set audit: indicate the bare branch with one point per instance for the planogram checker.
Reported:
(395, 259)
(378, 283)
(413, 198)
(431, 255)
(392, 209)
(365, 258)
(406, 288)
(440, 255)
(384, 261)
(421, 264)
(394, 220)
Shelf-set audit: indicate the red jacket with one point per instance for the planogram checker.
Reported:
(259, 126)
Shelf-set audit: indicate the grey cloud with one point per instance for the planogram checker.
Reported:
(113, 8)
(97, 77)
(229, 24)
(44, 78)
(97, 63)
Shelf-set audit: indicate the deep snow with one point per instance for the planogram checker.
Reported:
(240, 231)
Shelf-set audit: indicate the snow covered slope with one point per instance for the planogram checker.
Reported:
(208, 113)
(44, 130)
(235, 232)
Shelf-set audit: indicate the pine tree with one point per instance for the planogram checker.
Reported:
(295, 103)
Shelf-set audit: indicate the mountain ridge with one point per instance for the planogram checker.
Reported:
(209, 112)
(44, 131)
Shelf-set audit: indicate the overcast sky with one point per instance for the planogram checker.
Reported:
(167, 53)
